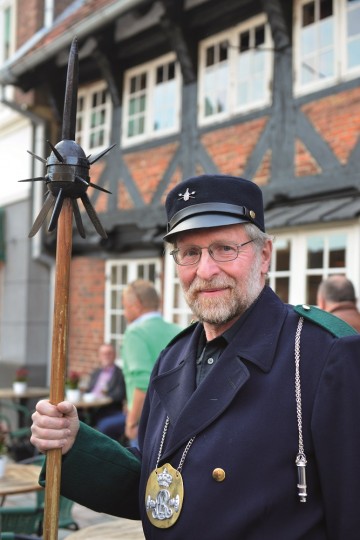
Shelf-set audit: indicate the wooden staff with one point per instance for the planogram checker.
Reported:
(58, 362)
(67, 180)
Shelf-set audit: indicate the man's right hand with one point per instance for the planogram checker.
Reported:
(54, 426)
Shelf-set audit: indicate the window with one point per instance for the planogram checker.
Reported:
(175, 306)
(93, 117)
(279, 276)
(327, 43)
(151, 100)
(235, 71)
(7, 33)
(118, 275)
(325, 255)
(301, 260)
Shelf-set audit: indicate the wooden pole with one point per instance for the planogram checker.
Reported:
(58, 362)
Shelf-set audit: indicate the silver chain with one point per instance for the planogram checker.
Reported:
(298, 384)
(301, 457)
(184, 454)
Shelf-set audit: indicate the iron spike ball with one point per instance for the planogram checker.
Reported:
(67, 167)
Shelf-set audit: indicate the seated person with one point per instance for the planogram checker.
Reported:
(108, 380)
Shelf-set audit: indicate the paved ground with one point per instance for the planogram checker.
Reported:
(131, 530)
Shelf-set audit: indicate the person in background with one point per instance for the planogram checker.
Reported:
(146, 335)
(108, 380)
(251, 423)
(336, 294)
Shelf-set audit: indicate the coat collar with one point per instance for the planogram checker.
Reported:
(192, 409)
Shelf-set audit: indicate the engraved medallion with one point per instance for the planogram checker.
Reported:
(164, 496)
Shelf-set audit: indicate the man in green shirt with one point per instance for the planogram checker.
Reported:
(145, 337)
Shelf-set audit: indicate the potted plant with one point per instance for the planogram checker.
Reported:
(3, 449)
(20, 381)
(72, 390)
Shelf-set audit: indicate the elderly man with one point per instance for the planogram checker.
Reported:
(251, 423)
(336, 294)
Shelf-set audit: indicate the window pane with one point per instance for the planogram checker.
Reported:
(282, 288)
(308, 14)
(283, 256)
(312, 284)
(315, 252)
(244, 41)
(353, 53)
(326, 9)
(337, 245)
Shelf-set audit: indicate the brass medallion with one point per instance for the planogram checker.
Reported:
(164, 496)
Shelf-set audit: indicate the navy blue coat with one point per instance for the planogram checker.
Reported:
(243, 417)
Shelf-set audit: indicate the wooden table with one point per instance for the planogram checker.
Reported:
(31, 392)
(87, 408)
(19, 478)
(120, 529)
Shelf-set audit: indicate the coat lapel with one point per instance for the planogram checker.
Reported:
(192, 409)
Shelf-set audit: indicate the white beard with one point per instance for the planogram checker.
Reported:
(238, 299)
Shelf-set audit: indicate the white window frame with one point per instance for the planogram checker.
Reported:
(87, 93)
(181, 313)
(149, 69)
(4, 5)
(298, 257)
(232, 36)
(341, 71)
(134, 269)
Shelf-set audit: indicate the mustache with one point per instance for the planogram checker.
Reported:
(218, 282)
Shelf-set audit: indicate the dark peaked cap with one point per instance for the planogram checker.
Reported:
(213, 201)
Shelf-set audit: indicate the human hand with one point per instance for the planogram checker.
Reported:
(131, 431)
(54, 426)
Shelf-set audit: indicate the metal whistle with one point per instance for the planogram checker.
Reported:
(301, 471)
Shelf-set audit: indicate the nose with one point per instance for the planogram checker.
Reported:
(207, 267)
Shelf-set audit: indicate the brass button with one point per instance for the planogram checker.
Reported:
(252, 214)
(218, 474)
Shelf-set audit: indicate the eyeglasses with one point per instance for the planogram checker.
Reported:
(218, 251)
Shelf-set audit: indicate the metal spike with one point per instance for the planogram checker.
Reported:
(56, 152)
(37, 179)
(37, 157)
(98, 156)
(78, 220)
(79, 179)
(70, 102)
(56, 212)
(42, 214)
(95, 186)
(92, 215)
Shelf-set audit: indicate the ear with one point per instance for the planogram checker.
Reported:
(266, 256)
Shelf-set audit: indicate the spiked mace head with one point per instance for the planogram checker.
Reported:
(67, 166)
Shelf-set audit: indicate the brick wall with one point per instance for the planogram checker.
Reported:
(86, 314)
(30, 18)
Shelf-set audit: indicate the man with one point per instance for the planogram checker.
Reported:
(245, 408)
(336, 294)
(146, 335)
(108, 380)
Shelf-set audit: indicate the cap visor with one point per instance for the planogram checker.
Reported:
(204, 221)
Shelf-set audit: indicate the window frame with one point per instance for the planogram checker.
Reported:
(232, 36)
(87, 93)
(4, 5)
(133, 271)
(298, 257)
(341, 70)
(150, 68)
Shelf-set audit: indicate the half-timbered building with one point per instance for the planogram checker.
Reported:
(266, 90)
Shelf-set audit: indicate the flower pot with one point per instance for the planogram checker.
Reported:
(73, 394)
(2, 466)
(19, 387)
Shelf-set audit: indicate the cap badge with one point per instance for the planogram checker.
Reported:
(187, 195)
